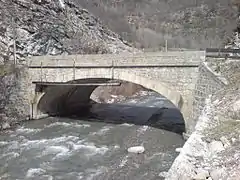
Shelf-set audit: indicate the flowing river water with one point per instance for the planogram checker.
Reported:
(71, 149)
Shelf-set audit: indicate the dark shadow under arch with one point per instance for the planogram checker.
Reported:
(75, 102)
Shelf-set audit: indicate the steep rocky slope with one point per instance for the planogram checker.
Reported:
(184, 23)
(53, 27)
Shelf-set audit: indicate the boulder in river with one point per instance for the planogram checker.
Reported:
(136, 149)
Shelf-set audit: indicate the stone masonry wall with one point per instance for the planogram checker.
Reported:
(207, 84)
(152, 58)
(178, 79)
(14, 96)
(194, 84)
(175, 79)
(172, 74)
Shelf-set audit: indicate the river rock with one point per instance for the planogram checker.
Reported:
(201, 174)
(163, 174)
(136, 149)
(233, 140)
(216, 147)
(225, 141)
(178, 150)
(236, 106)
(217, 174)
(185, 136)
(5, 125)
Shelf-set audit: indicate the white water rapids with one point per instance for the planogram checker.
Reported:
(67, 149)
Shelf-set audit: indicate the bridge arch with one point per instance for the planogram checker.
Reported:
(55, 96)
(97, 74)
(68, 100)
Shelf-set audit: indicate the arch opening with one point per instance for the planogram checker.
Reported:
(75, 101)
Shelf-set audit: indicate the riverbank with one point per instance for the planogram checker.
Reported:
(213, 150)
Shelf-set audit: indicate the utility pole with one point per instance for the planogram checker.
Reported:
(13, 24)
(166, 45)
(166, 42)
(14, 41)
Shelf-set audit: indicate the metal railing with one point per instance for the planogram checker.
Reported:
(223, 53)
(226, 50)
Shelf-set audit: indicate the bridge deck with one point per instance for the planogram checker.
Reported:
(83, 66)
(76, 84)
(221, 53)
(140, 60)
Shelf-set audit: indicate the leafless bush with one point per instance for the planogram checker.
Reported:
(186, 24)
(82, 44)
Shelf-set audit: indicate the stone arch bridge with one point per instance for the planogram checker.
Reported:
(180, 76)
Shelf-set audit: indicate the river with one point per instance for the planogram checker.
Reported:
(92, 149)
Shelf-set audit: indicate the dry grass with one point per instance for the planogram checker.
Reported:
(229, 129)
(6, 69)
(236, 2)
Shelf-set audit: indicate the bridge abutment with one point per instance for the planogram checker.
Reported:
(34, 109)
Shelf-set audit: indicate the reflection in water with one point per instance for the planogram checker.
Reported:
(67, 149)
(149, 109)
(169, 119)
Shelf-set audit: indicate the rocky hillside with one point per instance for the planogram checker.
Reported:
(53, 27)
(185, 24)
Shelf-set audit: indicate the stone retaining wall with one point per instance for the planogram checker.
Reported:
(207, 83)
(14, 97)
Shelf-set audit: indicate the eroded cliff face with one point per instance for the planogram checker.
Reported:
(53, 27)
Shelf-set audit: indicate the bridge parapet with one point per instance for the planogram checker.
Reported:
(145, 59)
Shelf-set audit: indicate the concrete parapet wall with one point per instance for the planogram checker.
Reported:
(155, 58)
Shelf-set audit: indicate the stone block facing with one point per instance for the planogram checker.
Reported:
(179, 76)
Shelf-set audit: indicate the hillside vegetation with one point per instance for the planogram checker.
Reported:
(147, 24)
